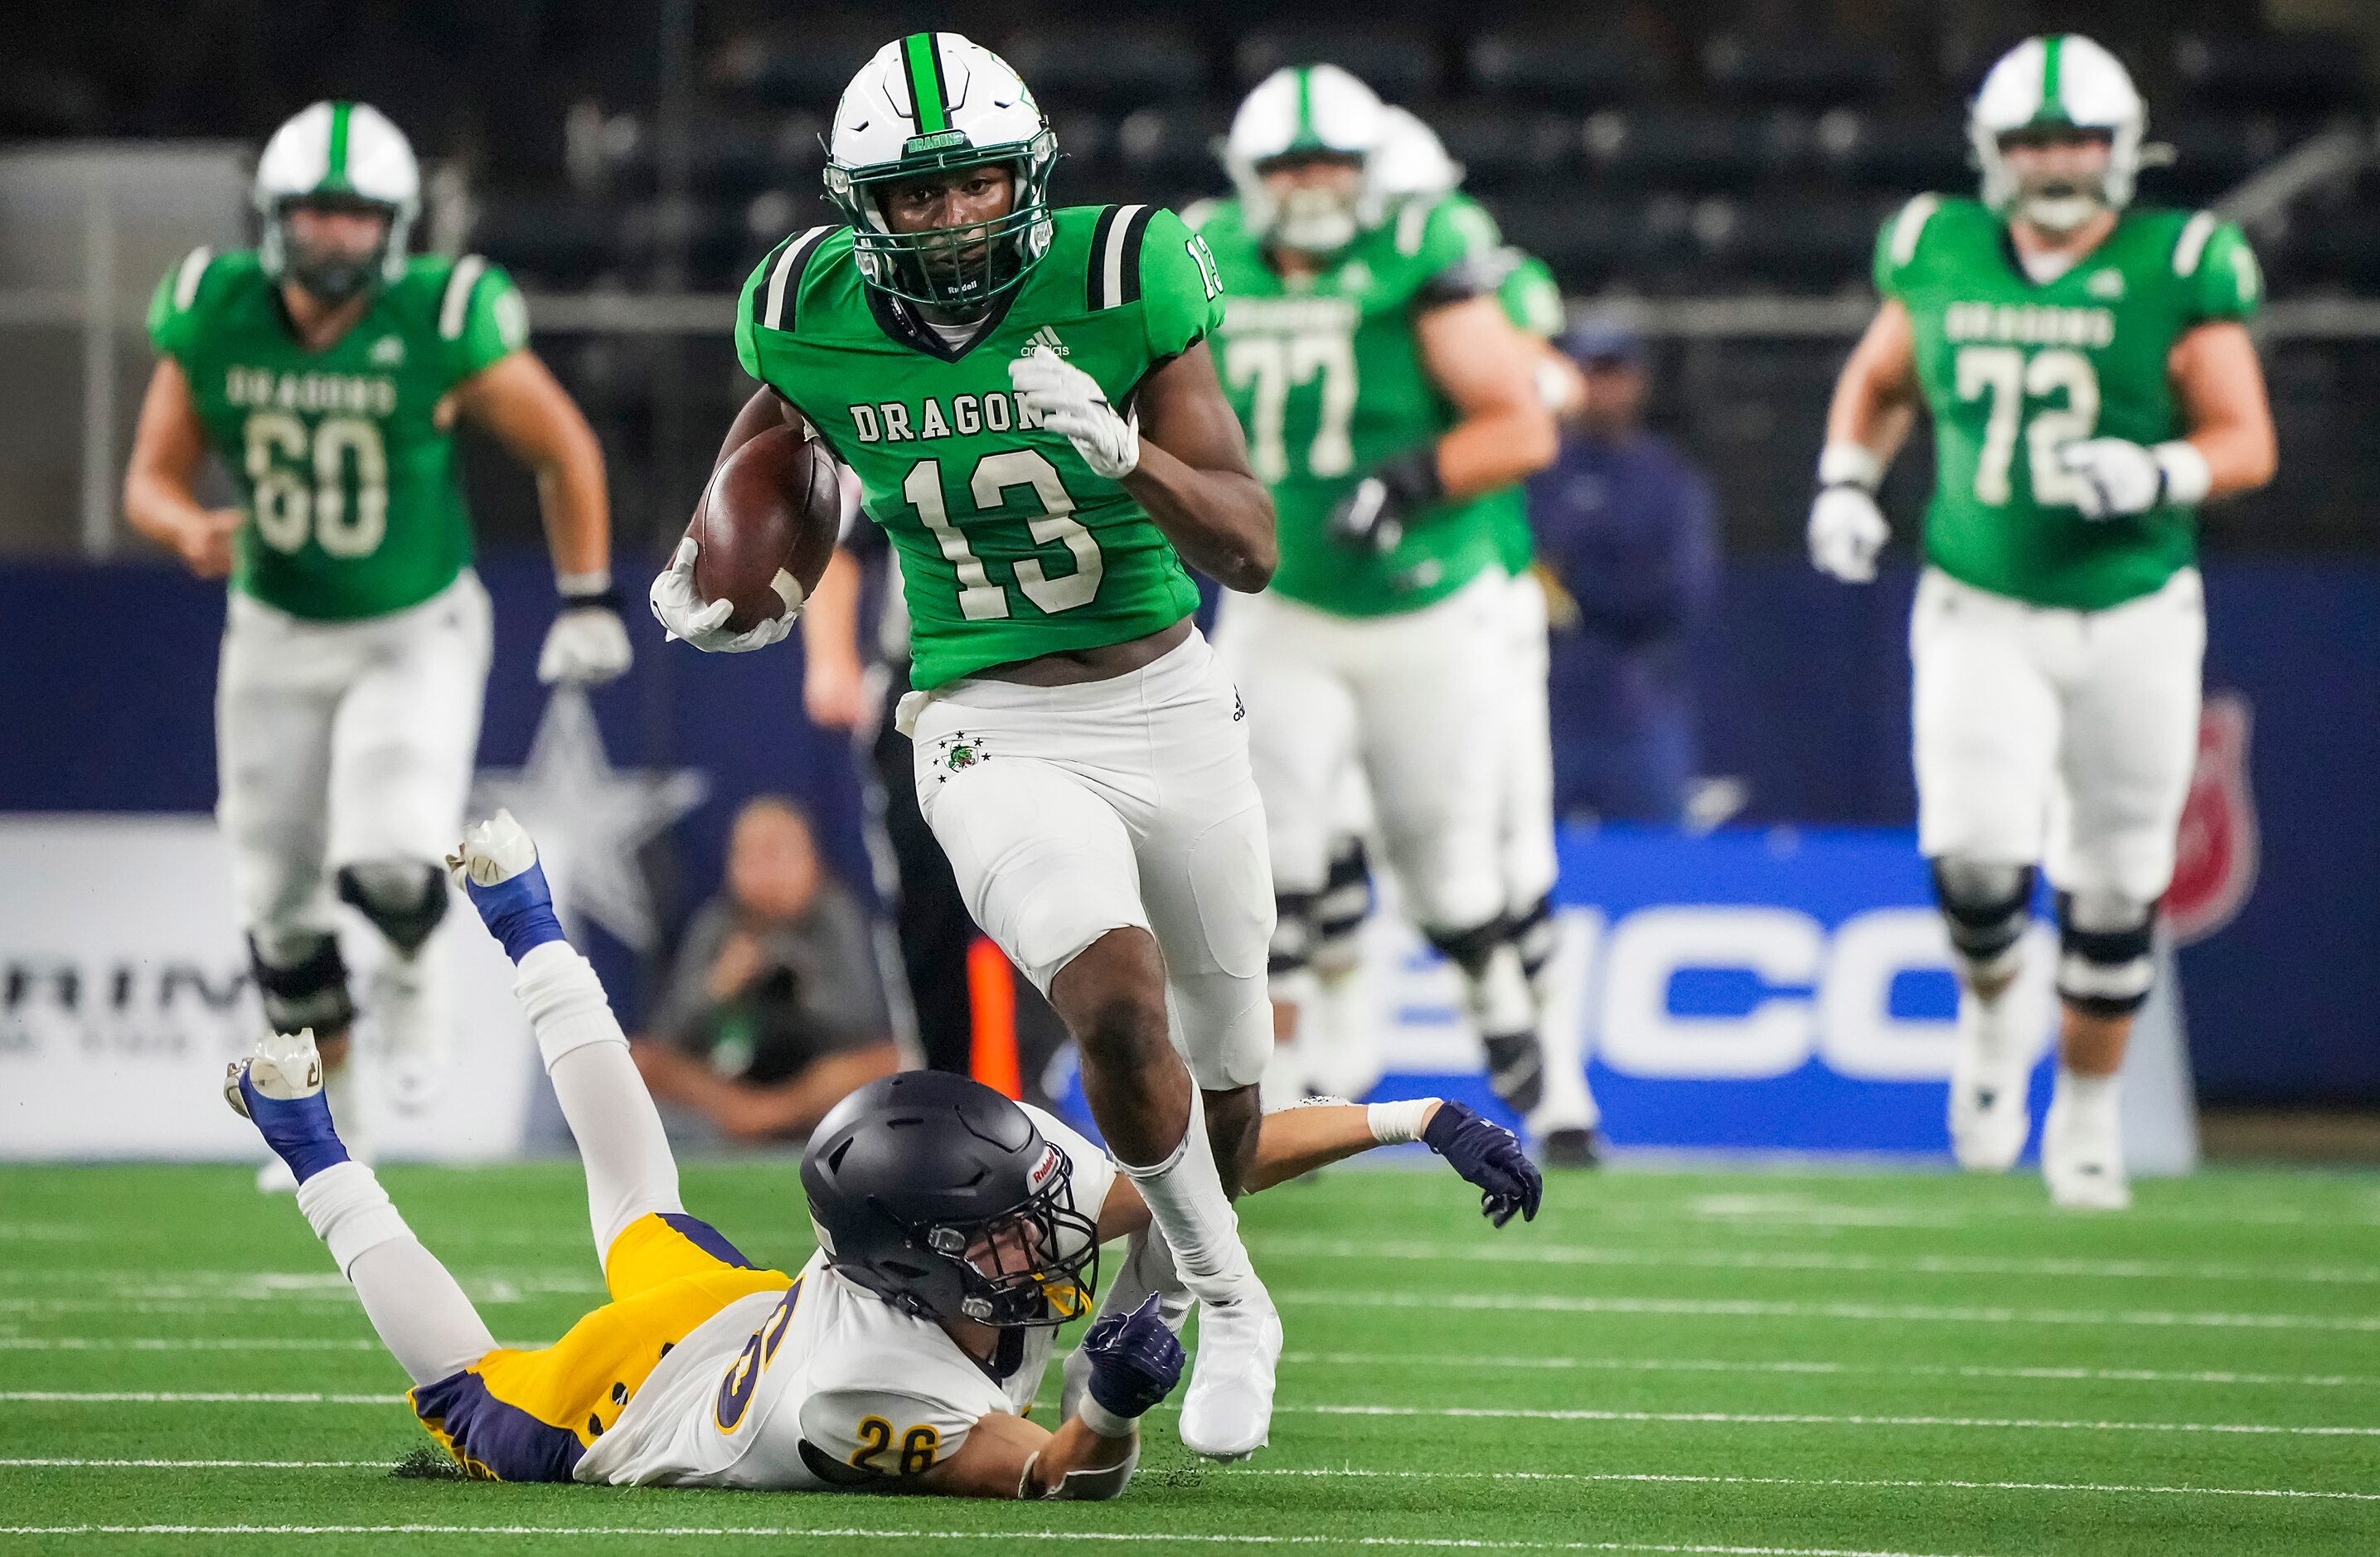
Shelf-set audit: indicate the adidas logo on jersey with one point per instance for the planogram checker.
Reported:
(1045, 336)
(388, 352)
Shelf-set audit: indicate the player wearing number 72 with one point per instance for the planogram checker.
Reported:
(1026, 395)
(327, 368)
(2091, 381)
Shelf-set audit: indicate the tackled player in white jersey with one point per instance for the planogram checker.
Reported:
(2091, 379)
(957, 1232)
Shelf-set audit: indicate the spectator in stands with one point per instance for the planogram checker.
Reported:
(775, 1009)
(1626, 527)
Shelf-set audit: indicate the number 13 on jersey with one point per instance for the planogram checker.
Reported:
(980, 600)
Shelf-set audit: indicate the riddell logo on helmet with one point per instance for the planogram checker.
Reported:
(1042, 1170)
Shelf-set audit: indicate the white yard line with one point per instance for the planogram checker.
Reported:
(1714, 1365)
(192, 1465)
(198, 1344)
(1758, 1309)
(2093, 1487)
(1797, 1418)
(852, 1532)
(1509, 1253)
(195, 1397)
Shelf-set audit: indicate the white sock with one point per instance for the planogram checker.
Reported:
(565, 1001)
(349, 1211)
(2094, 1101)
(1187, 1200)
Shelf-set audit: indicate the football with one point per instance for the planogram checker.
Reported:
(766, 526)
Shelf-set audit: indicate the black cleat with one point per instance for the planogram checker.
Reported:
(1569, 1148)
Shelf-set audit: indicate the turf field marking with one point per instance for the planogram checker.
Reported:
(1353, 1473)
(1724, 1259)
(1819, 1481)
(1762, 1309)
(1797, 1418)
(848, 1532)
(171, 1344)
(197, 1397)
(1709, 1365)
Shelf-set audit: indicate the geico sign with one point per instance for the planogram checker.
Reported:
(1823, 994)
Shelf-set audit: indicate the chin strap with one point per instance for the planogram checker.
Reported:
(1081, 1485)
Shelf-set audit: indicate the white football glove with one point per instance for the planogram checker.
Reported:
(588, 643)
(2116, 476)
(1069, 400)
(1847, 530)
(681, 611)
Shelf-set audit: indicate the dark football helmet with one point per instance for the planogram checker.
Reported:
(939, 1196)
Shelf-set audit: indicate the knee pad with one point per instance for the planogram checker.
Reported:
(404, 898)
(2105, 962)
(1532, 934)
(1471, 950)
(310, 991)
(1339, 910)
(1987, 907)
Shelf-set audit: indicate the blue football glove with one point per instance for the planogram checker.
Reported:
(1136, 1360)
(1489, 1156)
(498, 869)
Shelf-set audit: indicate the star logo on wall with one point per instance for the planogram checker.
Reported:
(590, 819)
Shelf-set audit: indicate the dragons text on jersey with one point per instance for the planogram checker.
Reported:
(340, 460)
(2013, 371)
(1009, 546)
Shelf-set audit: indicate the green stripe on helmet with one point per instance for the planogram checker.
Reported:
(922, 61)
(1305, 135)
(2053, 103)
(335, 167)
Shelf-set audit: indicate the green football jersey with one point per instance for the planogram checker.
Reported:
(1327, 376)
(349, 482)
(2013, 371)
(1009, 546)
(1532, 301)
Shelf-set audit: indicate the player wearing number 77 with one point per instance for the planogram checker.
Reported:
(2091, 381)
(1026, 397)
(327, 368)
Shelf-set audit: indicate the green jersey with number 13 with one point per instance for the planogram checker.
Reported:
(339, 456)
(1009, 546)
(2013, 370)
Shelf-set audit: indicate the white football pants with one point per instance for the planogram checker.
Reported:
(339, 742)
(1526, 822)
(2065, 737)
(1415, 698)
(1069, 811)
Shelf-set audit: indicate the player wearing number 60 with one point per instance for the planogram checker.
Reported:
(327, 368)
(1026, 397)
(2091, 383)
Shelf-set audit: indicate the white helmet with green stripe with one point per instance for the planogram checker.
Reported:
(1303, 112)
(933, 102)
(337, 154)
(2060, 82)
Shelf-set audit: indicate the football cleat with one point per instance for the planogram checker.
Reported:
(497, 867)
(279, 1089)
(407, 1013)
(1228, 1412)
(2082, 1154)
(1990, 1078)
(1569, 1148)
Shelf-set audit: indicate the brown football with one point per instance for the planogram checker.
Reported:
(765, 529)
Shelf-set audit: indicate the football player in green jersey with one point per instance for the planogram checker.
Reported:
(1028, 399)
(327, 368)
(2091, 381)
(1392, 406)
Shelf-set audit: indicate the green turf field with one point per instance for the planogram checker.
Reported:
(1664, 1362)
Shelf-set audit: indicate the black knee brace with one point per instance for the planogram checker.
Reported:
(312, 992)
(2106, 970)
(1338, 912)
(1986, 919)
(1293, 932)
(1532, 934)
(404, 898)
(1469, 949)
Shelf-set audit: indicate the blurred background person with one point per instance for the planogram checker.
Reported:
(775, 1010)
(1627, 529)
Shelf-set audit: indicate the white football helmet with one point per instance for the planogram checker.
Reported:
(1306, 110)
(929, 102)
(1412, 161)
(337, 153)
(2061, 80)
